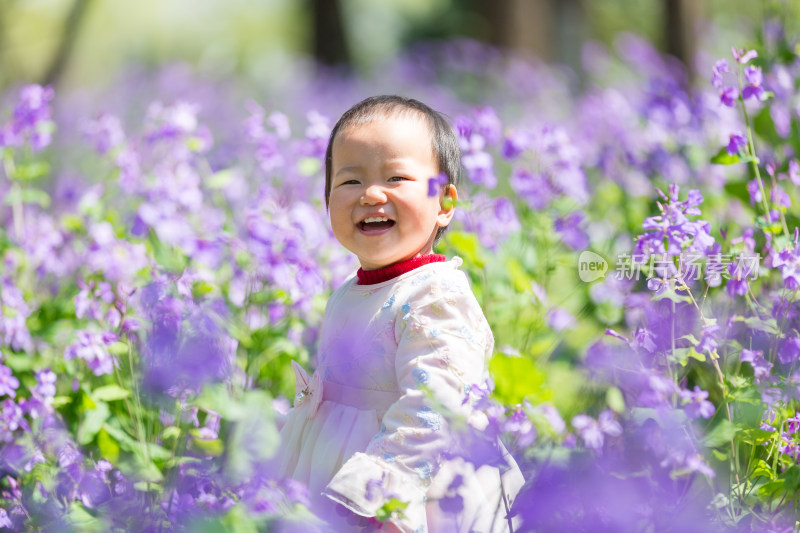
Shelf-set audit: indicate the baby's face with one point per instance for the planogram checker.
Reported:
(379, 204)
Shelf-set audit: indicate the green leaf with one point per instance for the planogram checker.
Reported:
(467, 246)
(212, 447)
(31, 171)
(670, 294)
(195, 144)
(615, 400)
(108, 447)
(81, 518)
(772, 489)
(756, 436)
(753, 322)
(392, 508)
(217, 398)
(19, 363)
(202, 288)
(519, 278)
(140, 468)
(254, 436)
(109, 393)
(719, 455)
(762, 469)
(93, 420)
(119, 348)
(27, 196)
(170, 433)
(61, 401)
(148, 486)
(722, 433)
(515, 378)
(220, 179)
(308, 166)
(168, 256)
(724, 158)
(691, 338)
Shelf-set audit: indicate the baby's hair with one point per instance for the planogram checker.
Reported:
(445, 144)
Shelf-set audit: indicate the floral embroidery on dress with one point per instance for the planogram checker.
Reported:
(421, 376)
(420, 279)
(429, 418)
(424, 470)
(468, 335)
(390, 302)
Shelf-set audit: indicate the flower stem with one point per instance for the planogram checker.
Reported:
(751, 150)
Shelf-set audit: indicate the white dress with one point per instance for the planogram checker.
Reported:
(367, 427)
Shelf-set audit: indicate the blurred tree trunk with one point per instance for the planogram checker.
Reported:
(4, 74)
(553, 30)
(330, 40)
(680, 30)
(68, 37)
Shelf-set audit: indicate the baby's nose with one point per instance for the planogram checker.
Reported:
(373, 194)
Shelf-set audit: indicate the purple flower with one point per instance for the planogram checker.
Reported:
(789, 351)
(697, 404)
(754, 78)
(553, 417)
(12, 418)
(479, 166)
(105, 132)
(375, 489)
(708, 339)
(560, 319)
(794, 172)
(92, 347)
(720, 68)
(659, 285)
(45, 388)
(516, 142)
(736, 142)
(643, 339)
(570, 231)
(592, 432)
(741, 56)
(8, 383)
(488, 124)
(761, 367)
(788, 261)
(753, 75)
(728, 96)
(31, 119)
(754, 191)
(535, 189)
(779, 198)
(519, 425)
(436, 183)
(793, 423)
(737, 284)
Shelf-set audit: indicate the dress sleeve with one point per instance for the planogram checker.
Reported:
(443, 344)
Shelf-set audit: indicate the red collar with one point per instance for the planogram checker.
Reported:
(371, 277)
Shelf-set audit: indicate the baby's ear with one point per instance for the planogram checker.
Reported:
(447, 206)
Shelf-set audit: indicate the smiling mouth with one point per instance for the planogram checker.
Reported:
(375, 224)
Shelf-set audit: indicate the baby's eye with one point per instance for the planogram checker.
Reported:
(398, 178)
(350, 182)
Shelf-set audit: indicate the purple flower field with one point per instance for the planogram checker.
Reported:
(166, 254)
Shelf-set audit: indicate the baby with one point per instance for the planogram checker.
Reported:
(401, 343)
